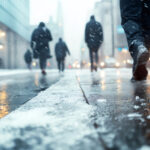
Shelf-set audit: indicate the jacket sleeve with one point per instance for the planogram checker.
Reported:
(33, 39)
(49, 35)
(86, 33)
(67, 50)
(101, 35)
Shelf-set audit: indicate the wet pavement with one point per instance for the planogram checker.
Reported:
(83, 110)
(122, 116)
(17, 88)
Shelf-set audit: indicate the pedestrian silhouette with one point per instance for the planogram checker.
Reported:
(61, 50)
(94, 39)
(40, 39)
(136, 23)
(28, 58)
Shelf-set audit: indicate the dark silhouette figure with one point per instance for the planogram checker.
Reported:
(94, 39)
(28, 58)
(136, 23)
(40, 39)
(61, 50)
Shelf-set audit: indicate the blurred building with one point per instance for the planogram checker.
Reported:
(102, 13)
(115, 43)
(120, 43)
(14, 32)
(85, 61)
(60, 22)
(57, 30)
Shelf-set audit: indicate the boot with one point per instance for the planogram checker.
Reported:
(43, 72)
(140, 57)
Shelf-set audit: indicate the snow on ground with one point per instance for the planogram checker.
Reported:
(8, 81)
(6, 72)
(134, 115)
(145, 148)
(57, 118)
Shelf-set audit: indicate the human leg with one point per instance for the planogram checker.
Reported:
(43, 61)
(29, 66)
(131, 13)
(63, 65)
(96, 59)
(59, 64)
(91, 59)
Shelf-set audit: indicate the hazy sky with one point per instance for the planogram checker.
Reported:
(75, 14)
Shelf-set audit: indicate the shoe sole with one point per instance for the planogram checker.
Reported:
(95, 68)
(133, 80)
(141, 72)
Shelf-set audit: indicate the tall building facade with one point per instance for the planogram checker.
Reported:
(57, 30)
(102, 12)
(115, 43)
(120, 41)
(14, 32)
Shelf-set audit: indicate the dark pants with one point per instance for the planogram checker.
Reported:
(43, 62)
(93, 57)
(135, 22)
(61, 64)
(29, 65)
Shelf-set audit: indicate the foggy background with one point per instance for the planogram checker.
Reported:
(75, 14)
(67, 19)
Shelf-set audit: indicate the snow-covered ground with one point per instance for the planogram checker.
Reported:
(60, 119)
(57, 118)
(6, 72)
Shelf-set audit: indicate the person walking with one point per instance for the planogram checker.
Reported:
(61, 50)
(94, 39)
(28, 58)
(136, 23)
(40, 39)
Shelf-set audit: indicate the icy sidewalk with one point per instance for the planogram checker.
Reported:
(122, 116)
(7, 72)
(60, 119)
(57, 119)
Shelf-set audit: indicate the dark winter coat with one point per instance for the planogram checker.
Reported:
(61, 50)
(28, 57)
(136, 20)
(93, 34)
(41, 37)
(137, 10)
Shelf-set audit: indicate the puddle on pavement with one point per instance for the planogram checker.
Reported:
(14, 94)
(123, 105)
(4, 108)
(41, 82)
